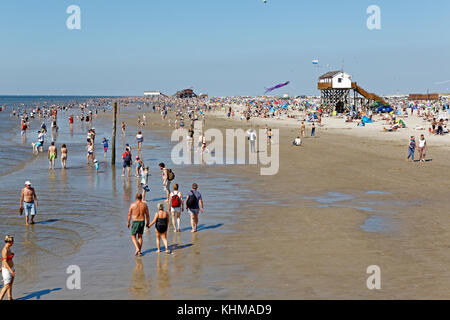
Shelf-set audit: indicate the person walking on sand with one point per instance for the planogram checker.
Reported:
(313, 130)
(166, 181)
(422, 148)
(161, 222)
(52, 155)
(302, 129)
(28, 202)
(194, 204)
(252, 138)
(123, 128)
(126, 156)
(144, 182)
(139, 213)
(105, 145)
(8, 271)
(139, 139)
(176, 206)
(411, 148)
(63, 156)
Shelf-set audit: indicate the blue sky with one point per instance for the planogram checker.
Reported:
(226, 47)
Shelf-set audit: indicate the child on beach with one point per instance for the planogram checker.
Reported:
(144, 181)
(105, 145)
(97, 165)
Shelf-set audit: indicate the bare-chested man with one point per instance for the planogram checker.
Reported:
(139, 212)
(28, 202)
(52, 155)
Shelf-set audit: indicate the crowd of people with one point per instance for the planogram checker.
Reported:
(169, 212)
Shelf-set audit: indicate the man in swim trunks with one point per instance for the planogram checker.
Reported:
(139, 213)
(52, 155)
(28, 202)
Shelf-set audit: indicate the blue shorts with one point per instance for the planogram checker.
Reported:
(29, 208)
(193, 211)
(39, 144)
(126, 164)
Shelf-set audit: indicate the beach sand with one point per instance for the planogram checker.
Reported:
(340, 203)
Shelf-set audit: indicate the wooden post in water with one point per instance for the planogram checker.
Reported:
(113, 138)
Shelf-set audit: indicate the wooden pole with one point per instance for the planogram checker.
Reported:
(113, 144)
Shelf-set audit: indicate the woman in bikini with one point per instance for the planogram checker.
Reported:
(161, 222)
(8, 271)
(63, 156)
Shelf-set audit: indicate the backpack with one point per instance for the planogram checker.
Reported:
(170, 175)
(176, 203)
(127, 156)
(191, 201)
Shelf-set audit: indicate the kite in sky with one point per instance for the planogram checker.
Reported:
(277, 87)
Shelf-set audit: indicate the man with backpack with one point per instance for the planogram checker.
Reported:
(176, 206)
(126, 156)
(194, 204)
(168, 176)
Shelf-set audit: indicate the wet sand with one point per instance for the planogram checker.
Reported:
(338, 204)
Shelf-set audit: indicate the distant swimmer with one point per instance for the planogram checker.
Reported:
(139, 213)
(28, 202)
(52, 154)
(8, 271)
(161, 221)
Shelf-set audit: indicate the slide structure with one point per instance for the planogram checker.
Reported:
(367, 95)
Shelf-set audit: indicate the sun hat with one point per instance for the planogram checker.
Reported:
(27, 183)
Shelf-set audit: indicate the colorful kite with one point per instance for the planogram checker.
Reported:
(277, 87)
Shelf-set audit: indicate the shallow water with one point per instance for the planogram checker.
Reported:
(82, 221)
(375, 204)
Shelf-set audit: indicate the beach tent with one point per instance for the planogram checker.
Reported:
(366, 120)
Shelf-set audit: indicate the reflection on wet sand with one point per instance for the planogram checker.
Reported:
(64, 179)
(163, 275)
(139, 288)
(113, 180)
(127, 190)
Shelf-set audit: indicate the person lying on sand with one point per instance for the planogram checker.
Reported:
(391, 129)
